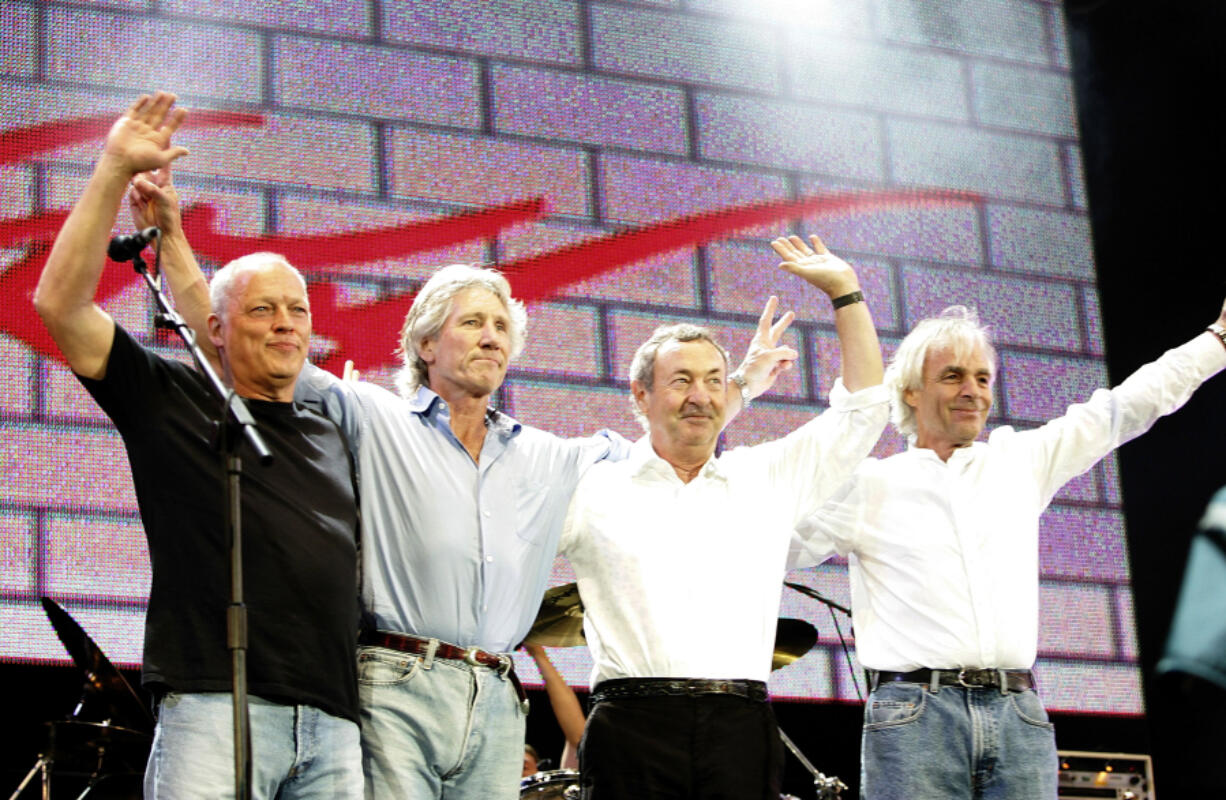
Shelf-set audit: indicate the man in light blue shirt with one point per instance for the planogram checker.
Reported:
(462, 508)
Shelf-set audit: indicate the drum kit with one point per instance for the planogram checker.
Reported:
(101, 747)
(559, 623)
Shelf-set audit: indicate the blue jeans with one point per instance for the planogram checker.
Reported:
(436, 727)
(956, 744)
(297, 752)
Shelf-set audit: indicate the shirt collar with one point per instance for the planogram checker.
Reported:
(645, 463)
(958, 456)
(425, 402)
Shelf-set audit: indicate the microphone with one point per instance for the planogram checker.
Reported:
(126, 248)
(816, 595)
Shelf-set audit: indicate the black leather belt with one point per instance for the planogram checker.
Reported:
(1015, 680)
(677, 687)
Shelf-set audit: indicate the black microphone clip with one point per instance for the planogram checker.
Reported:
(126, 248)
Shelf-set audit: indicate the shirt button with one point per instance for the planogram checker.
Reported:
(489, 558)
(485, 513)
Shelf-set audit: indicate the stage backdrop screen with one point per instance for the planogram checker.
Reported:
(626, 162)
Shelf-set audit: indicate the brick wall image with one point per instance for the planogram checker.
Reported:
(626, 163)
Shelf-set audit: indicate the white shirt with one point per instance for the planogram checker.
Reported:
(944, 556)
(682, 580)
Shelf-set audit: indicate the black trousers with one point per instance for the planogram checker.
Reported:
(701, 747)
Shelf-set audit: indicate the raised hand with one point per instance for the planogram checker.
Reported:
(765, 359)
(154, 200)
(140, 139)
(816, 264)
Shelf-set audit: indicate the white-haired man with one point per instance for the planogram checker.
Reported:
(680, 557)
(942, 542)
(299, 516)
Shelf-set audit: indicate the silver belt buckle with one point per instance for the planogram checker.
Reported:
(470, 656)
(962, 680)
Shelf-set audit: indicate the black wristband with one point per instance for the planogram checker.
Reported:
(847, 299)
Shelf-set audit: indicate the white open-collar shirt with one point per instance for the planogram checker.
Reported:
(944, 555)
(683, 579)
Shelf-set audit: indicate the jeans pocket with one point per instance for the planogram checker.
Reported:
(894, 704)
(379, 667)
(1030, 709)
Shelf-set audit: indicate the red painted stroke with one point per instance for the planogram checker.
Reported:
(19, 144)
(541, 276)
(367, 333)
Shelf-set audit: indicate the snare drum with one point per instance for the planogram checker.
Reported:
(558, 784)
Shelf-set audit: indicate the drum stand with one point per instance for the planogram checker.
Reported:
(828, 788)
(43, 765)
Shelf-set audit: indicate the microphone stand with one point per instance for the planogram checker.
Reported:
(236, 418)
(833, 606)
(828, 788)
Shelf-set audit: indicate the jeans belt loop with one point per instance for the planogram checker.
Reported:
(1004, 681)
(431, 648)
(934, 682)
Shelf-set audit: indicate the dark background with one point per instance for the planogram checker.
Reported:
(1149, 81)
(1149, 85)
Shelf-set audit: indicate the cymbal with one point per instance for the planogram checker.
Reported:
(74, 744)
(793, 638)
(559, 622)
(115, 698)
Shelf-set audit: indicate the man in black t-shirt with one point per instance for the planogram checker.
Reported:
(299, 514)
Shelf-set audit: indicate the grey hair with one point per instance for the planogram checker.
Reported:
(433, 305)
(643, 365)
(958, 328)
(221, 287)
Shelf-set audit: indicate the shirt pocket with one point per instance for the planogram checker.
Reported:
(534, 511)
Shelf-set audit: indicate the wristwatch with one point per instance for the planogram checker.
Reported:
(739, 379)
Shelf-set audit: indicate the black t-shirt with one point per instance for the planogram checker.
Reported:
(299, 528)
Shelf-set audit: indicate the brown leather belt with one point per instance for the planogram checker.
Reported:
(676, 687)
(1015, 680)
(415, 645)
(502, 663)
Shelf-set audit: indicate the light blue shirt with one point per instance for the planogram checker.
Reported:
(454, 549)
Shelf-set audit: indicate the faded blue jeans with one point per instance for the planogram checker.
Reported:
(438, 728)
(956, 744)
(297, 752)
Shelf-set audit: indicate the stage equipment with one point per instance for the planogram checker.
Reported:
(1120, 776)
(107, 736)
(558, 784)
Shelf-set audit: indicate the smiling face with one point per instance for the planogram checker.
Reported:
(264, 333)
(685, 404)
(469, 355)
(952, 404)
